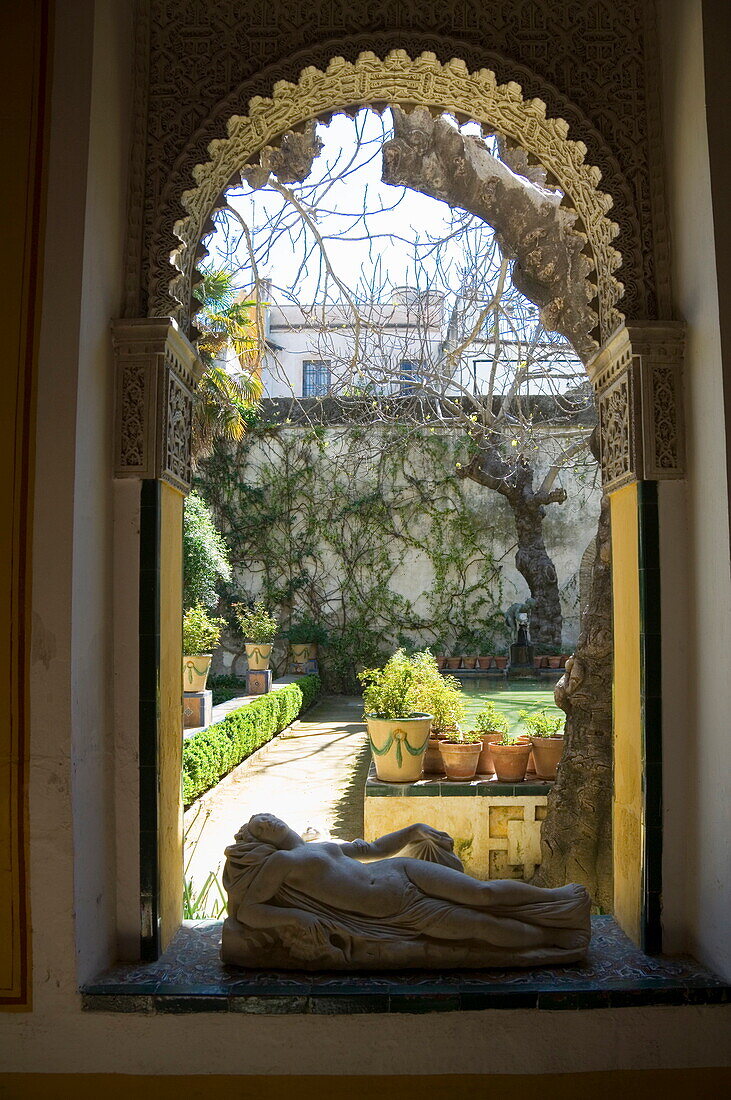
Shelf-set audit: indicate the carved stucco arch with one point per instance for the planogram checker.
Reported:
(396, 78)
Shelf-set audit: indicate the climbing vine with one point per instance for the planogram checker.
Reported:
(368, 531)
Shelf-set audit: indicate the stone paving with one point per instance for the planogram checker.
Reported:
(312, 775)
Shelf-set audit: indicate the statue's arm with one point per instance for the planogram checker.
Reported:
(268, 878)
(393, 843)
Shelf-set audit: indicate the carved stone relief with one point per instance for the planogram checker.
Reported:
(399, 79)
(157, 370)
(637, 377)
(592, 64)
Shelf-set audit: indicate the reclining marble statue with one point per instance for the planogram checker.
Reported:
(348, 906)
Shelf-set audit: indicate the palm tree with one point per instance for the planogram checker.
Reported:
(226, 402)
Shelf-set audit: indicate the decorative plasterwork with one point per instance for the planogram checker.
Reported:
(157, 370)
(397, 78)
(638, 380)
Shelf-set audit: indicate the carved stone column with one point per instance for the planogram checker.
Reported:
(157, 370)
(637, 377)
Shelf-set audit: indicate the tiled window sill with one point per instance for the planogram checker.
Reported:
(190, 977)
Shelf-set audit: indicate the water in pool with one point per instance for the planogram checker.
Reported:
(509, 698)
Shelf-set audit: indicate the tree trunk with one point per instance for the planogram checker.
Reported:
(533, 562)
(576, 837)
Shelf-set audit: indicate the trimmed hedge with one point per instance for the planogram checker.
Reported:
(213, 752)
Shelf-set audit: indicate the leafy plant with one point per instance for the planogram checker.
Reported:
(490, 720)
(201, 632)
(307, 629)
(442, 697)
(541, 723)
(464, 737)
(401, 687)
(256, 623)
(205, 554)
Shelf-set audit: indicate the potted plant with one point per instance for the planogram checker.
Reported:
(304, 636)
(201, 633)
(546, 737)
(491, 725)
(510, 756)
(398, 727)
(460, 753)
(259, 628)
(444, 700)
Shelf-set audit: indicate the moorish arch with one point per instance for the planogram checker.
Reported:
(635, 368)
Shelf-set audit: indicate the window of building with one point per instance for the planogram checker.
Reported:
(410, 374)
(315, 377)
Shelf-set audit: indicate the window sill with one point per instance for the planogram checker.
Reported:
(190, 977)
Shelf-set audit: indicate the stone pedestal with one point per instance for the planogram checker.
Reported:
(304, 668)
(259, 682)
(197, 708)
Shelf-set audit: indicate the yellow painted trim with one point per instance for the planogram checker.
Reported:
(25, 62)
(628, 1084)
(627, 820)
(170, 728)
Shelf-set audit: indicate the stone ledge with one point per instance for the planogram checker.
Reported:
(190, 977)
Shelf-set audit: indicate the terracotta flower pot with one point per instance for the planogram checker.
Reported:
(485, 662)
(433, 758)
(469, 662)
(398, 746)
(538, 662)
(441, 661)
(195, 671)
(454, 662)
(562, 662)
(460, 760)
(501, 662)
(511, 761)
(547, 752)
(486, 765)
(554, 662)
(258, 654)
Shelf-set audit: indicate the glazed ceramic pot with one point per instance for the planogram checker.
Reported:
(547, 753)
(398, 746)
(302, 652)
(195, 671)
(485, 764)
(460, 760)
(511, 761)
(258, 654)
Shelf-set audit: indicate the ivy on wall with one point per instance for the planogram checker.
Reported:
(366, 530)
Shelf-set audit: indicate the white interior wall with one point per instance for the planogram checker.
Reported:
(695, 534)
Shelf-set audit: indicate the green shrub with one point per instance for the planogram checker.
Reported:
(212, 753)
(255, 623)
(205, 555)
(541, 723)
(491, 720)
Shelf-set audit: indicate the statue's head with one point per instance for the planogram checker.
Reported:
(272, 830)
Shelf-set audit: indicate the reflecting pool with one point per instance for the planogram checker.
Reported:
(509, 698)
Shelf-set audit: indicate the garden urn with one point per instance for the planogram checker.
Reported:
(195, 671)
(398, 746)
(258, 654)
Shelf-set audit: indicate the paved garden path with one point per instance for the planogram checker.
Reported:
(311, 775)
